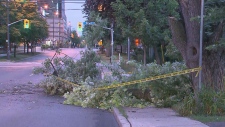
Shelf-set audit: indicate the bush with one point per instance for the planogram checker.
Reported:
(164, 92)
(44, 47)
(212, 102)
(209, 102)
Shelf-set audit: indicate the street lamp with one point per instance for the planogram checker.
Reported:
(54, 14)
(59, 31)
(100, 9)
(111, 30)
(112, 42)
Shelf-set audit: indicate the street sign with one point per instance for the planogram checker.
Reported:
(88, 23)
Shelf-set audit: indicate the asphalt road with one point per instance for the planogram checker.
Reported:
(24, 104)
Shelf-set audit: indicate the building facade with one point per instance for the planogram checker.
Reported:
(54, 13)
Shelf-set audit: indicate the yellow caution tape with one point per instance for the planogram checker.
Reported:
(63, 80)
(152, 78)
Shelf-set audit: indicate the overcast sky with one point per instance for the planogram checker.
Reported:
(74, 16)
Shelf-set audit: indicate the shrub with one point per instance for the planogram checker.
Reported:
(44, 47)
(209, 102)
(212, 102)
(164, 92)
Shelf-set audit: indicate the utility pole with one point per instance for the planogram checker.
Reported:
(53, 28)
(8, 43)
(112, 41)
(200, 50)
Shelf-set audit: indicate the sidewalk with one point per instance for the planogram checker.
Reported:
(154, 117)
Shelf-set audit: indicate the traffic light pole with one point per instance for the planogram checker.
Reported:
(15, 22)
(8, 37)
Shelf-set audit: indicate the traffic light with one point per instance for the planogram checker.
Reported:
(26, 23)
(79, 27)
(137, 42)
(100, 43)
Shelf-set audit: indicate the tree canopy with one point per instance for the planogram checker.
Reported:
(17, 11)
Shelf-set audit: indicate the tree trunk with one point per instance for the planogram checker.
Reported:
(14, 48)
(157, 58)
(27, 47)
(186, 36)
(213, 62)
(144, 48)
(24, 47)
(31, 48)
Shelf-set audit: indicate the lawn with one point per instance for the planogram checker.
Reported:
(104, 58)
(126, 67)
(206, 119)
(19, 56)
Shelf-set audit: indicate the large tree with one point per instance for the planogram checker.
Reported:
(38, 26)
(146, 20)
(101, 6)
(94, 32)
(38, 29)
(75, 39)
(186, 37)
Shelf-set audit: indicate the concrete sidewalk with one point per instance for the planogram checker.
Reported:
(154, 117)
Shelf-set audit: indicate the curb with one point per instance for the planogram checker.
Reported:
(121, 120)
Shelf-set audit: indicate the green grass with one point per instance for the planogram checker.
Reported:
(19, 56)
(206, 119)
(125, 67)
(116, 56)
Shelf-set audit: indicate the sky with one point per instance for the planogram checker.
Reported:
(74, 16)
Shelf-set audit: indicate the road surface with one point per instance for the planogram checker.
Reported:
(24, 104)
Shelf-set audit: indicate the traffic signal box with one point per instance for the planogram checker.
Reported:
(26, 23)
(79, 27)
(137, 42)
(100, 43)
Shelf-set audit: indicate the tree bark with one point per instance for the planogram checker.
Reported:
(157, 57)
(186, 36)
(144, 48)
(214, 61)
(24, 47)
(27, 47)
